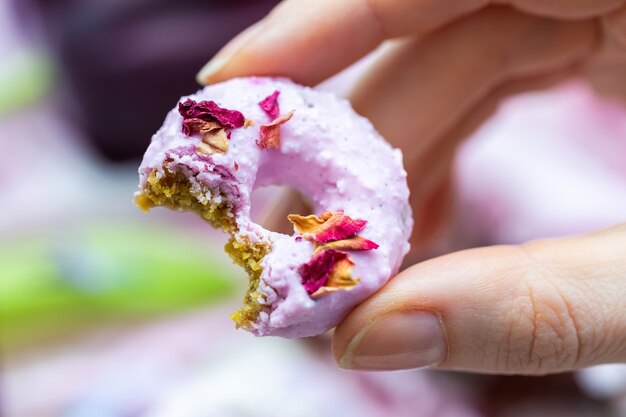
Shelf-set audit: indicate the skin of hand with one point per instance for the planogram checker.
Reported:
(542, 307)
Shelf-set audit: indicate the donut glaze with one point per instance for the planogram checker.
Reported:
(333, 156)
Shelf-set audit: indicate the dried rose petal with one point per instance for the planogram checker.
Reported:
(330, 226)
(340, 279)
(210, 121)
(316, 272)
(329, 268)
(270, 105)
(270, 133)
(214, 141)
(308, 225)
(210, 111)
(196, 126)
(351, 243)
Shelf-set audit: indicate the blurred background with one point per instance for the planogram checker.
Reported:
(107, 312)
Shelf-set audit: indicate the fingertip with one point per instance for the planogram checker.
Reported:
(305, 41)
(225, 63)
(209, 73)
(339, 342)
(341, 339)
(347, 330)
(400, 339)
(354, 326)
(405, 324)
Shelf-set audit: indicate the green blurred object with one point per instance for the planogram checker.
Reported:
(24, 79)
(52, 286)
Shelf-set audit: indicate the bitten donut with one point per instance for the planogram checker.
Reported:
(221, 143)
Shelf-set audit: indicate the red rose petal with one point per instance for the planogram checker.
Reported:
(210, 111)
(340, 279)
(330, 226)
(338, 227)
(270, 105)
(316, 273)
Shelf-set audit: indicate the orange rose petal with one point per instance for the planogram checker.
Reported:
(341, 274)
(214, 141)
(351, 243)
(306, 225)
(270, 133)
(194, 126)
(329, 269)
(323, 291)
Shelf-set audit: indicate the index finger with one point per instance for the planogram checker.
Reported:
(310, 40)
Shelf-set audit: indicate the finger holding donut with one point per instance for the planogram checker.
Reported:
(527, 309)
(220, 144)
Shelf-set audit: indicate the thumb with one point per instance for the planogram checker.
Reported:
(545, 306)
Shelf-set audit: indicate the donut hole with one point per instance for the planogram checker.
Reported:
(270, 206)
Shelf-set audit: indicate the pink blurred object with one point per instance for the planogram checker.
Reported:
(196, 365)
(547, 164)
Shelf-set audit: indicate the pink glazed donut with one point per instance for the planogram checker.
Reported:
(228, 139)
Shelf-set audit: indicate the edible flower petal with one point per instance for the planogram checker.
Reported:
(340, 278)
(327, 271)
(270, 133)
(351, 243)
(196, 126)
(330, 226)
(214, 141)
(316, 272)
(210, 111)
(270, 105)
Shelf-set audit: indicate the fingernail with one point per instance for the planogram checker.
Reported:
(399, 340)
(225, 55)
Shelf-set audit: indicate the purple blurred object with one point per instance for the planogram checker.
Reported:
(123, 63)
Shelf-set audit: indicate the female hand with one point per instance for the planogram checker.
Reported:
(544, 306)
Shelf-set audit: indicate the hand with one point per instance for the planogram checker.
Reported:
(545, 306)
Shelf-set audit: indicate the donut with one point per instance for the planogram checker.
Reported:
(218, 145)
